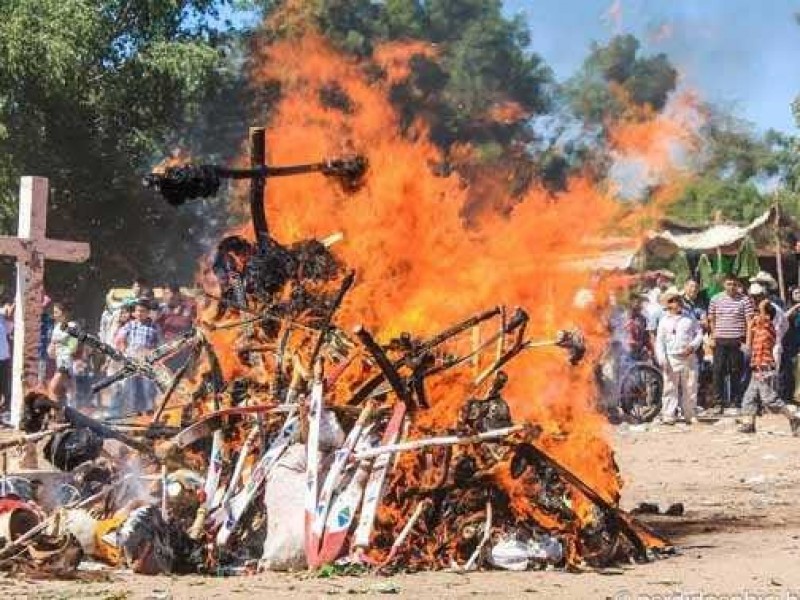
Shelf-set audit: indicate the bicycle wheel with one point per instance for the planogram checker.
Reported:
(640, 392)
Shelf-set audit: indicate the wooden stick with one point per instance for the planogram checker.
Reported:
(487, 531)
(407, 529)
(346, 284)
(385, 365)
(476, 343)
(31, 437)
(451, 440)
(368, 388)
(173, 385)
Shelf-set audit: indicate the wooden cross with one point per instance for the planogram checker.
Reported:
(31, 248)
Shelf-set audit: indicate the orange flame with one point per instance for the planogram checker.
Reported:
(420, 267)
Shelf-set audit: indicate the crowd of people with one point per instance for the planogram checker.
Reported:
(735, 353)
(134, 323)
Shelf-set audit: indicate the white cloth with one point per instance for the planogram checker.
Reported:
(677, 336)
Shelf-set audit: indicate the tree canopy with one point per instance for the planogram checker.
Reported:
(90, 93)
(93, 92)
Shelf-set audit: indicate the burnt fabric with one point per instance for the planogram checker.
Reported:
(68, 449)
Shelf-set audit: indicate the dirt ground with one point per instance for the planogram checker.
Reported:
(739, 536)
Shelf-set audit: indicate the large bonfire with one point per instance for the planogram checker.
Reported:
(406, 333)
(421, 265)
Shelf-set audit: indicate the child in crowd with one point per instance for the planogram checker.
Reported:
(761, 340)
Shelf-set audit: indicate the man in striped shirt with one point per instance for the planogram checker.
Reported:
(729, 317)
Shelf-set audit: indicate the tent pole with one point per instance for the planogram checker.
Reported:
(778, 254)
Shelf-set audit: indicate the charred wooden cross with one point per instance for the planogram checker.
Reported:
(187, 182)
(240, 266)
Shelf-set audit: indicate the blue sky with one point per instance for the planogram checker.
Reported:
(740, 54)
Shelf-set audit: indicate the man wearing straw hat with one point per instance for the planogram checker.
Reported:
(678, 338)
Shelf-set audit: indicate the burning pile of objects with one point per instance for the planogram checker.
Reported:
(285, 442)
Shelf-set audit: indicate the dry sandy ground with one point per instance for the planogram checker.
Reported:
(739, 538)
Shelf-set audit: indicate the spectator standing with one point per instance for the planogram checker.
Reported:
(767, 281)
(115, 320)
(677, 340)
(758, 293)
(694, 303)
(136, 338)
(5, 367)
(729, 316)
(791, 347)
(636, 340)
(653, 309)
(761, 340)
(62, 349)
(176, 314)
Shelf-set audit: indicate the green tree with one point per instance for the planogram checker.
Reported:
(91, 92)
(594, 92)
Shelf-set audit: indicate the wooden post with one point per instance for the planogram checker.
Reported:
(258, 141)
(778, 253)
(31, 248)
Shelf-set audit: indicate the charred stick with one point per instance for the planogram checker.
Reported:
(615, 513)
(263, 315)
(517, 322)
(369, 386)
(459, 328)
(278, 381)
(176, 380)
(347, 283)
(130, 366)
(32, 437)
(451, 440)
(78, 419)
(179, 184)
(385, 365)
(258, 159)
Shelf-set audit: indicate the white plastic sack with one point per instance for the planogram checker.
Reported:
(511, 555)
(546, 549)
(331, 434)
(284, 497)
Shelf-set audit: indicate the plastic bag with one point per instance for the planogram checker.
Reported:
(284, 497)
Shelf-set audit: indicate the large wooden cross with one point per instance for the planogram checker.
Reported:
(31, 247)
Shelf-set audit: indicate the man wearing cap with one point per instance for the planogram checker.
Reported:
(729, 316)
(767, 281)
(677, 340)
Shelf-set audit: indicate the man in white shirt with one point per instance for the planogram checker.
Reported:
(677, 339)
